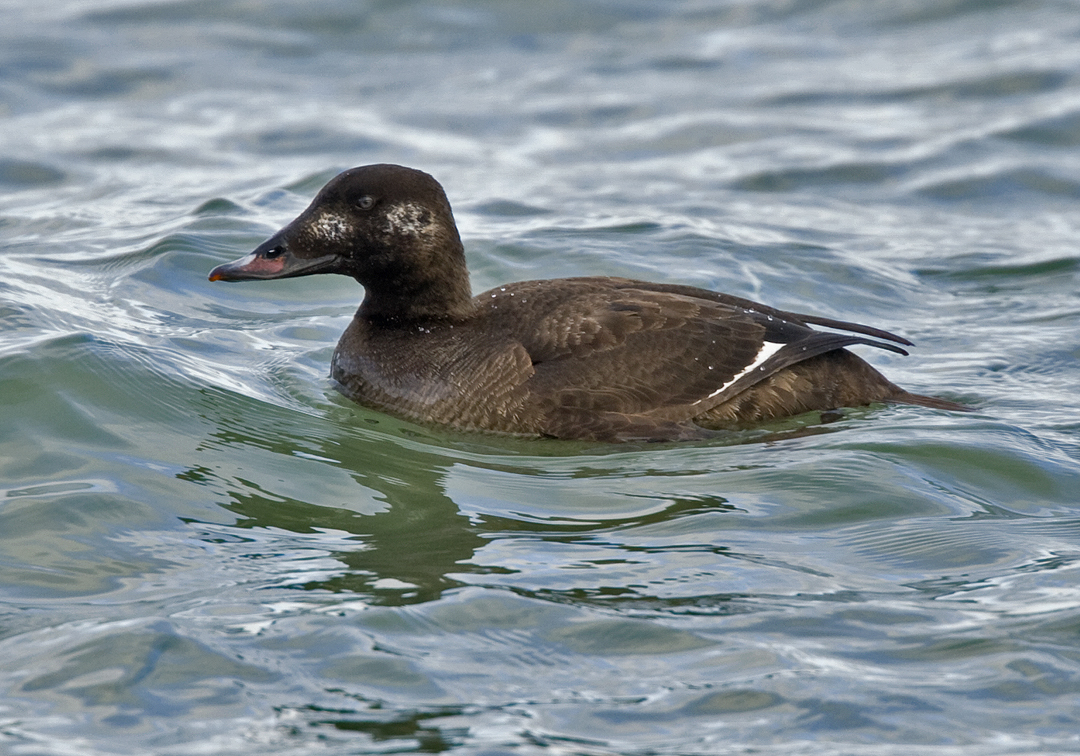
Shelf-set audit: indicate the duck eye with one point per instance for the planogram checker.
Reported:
(270, 254)
(365, 202)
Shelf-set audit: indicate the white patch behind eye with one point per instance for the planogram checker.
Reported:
(407, 218)
(331, 227)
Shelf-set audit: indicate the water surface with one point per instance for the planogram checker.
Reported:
(204, 549)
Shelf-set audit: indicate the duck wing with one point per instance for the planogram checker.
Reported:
(610, 347)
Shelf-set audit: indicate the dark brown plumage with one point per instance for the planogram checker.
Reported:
(592, 358)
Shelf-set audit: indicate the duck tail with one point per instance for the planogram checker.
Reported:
(906, 397)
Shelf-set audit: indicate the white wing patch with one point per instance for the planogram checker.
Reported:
(331, 227)
(768, 349)
(407, 218)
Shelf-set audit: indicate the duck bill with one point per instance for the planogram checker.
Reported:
(272, 259)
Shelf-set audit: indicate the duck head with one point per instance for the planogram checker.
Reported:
(389, 227)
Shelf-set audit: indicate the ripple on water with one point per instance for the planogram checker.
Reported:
(204, 547)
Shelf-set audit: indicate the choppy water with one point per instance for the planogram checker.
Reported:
(203, 549)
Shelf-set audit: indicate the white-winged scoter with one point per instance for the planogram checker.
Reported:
(599, 358)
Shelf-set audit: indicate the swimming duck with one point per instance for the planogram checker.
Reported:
(600, 358)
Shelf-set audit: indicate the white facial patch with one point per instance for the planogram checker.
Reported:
(407, 218)
(331, 227)
(768, 349)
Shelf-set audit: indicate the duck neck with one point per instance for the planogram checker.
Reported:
(421, 293)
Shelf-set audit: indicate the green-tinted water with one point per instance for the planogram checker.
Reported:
(203, 549)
